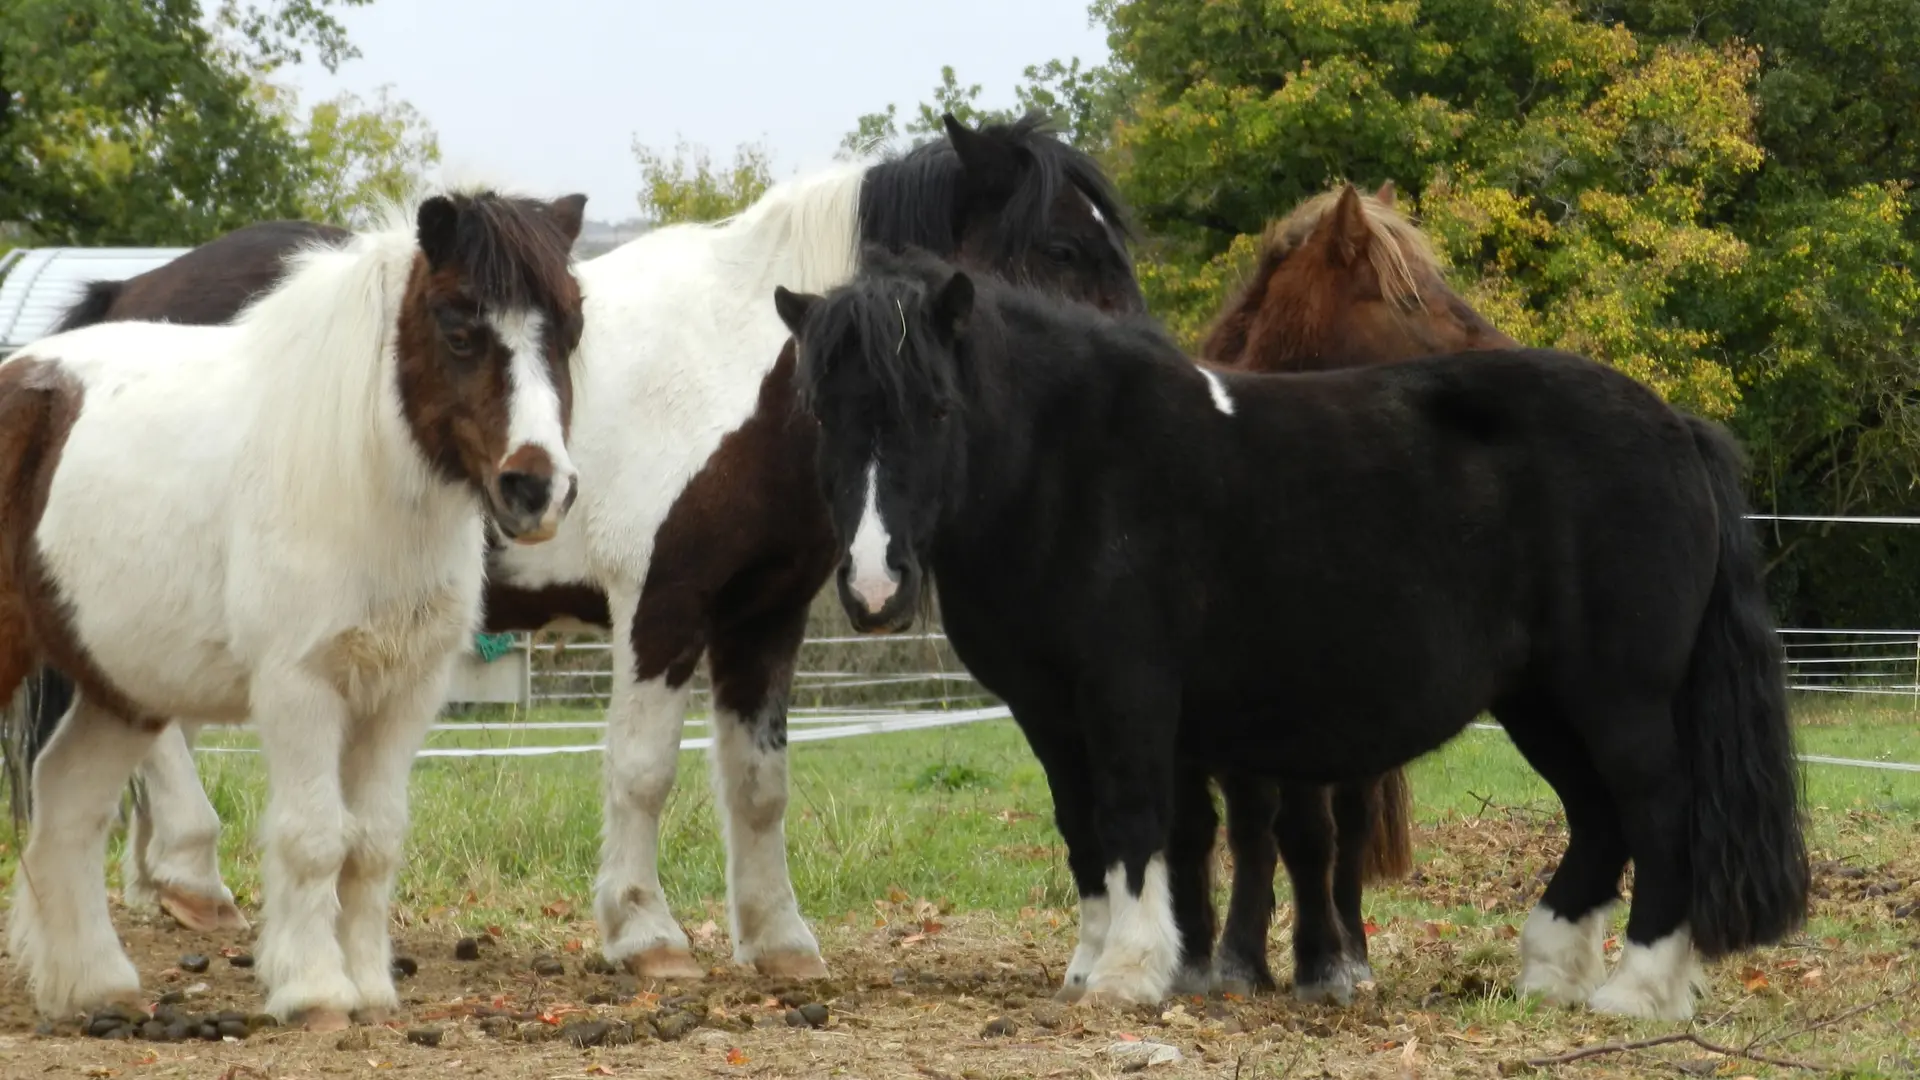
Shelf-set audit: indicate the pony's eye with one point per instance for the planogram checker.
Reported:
(1060, 253)
(461, 336)
(938, 414)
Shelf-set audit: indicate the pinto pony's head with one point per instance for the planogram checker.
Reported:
(487, 331)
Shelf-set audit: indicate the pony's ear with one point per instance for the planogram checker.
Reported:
(568, 212)
(1385, 195)
(1350, 233)
(952, 306)
(793, 307)
(439, 226)
(991, 165)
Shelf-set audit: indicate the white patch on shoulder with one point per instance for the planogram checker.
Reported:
(869, 577)
(1218, 389)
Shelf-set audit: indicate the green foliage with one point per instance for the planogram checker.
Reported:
(124, 125)
(1715, 198)
(1083, 101)
(131, 122)
(690, 187)
(363, 154)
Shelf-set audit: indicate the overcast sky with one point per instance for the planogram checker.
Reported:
(547, 95)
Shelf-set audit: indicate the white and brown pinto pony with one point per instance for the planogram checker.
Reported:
(280, 519)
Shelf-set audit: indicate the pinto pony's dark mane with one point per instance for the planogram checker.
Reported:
(515, 253)
(909, 201)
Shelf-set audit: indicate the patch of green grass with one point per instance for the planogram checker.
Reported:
(958, 813)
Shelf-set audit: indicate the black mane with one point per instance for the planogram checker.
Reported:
(913, 200)
(515, 254)
(879, 321)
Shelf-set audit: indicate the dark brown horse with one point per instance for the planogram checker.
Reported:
(1344, 280)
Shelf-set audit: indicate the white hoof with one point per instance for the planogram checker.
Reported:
(1563, 961)
(1654, 982)
(297, 1001)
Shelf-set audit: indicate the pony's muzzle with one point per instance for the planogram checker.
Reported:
(530, 504)
(880, 603)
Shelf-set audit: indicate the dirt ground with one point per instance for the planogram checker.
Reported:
(920, 993)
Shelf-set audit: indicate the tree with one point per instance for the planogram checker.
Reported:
(1714, 197)
(689, 187)
(157, 122)
(362, 155)
(123, 125)
(1084, 101)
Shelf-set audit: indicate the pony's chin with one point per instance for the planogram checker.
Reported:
(889, 621)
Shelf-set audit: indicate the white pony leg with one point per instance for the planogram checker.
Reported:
(379, 755)
(303, 725)
(59, 929)
(1096, 917)
(173, 841)
(1655, 981)
(1143, 945)
(637, 929)
(750, 785)
(1561, 960)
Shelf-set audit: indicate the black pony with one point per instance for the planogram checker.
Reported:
(1152, 562)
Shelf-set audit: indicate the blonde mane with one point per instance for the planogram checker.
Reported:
(1399, 251)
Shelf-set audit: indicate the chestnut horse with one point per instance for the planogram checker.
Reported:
(278, 519)
(1344, 280)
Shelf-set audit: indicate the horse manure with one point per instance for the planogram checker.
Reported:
(535, 1031)
(1049, 1016)
(261, 1021)
(586, 1033)
(195, 963)
(105, 1022)
(241, 960)
(425, 1036)
(153, 1031)
(466, 949)
(233, 1029)
(180, 1030)
(173, 997)
(497, 1026)
(598, 965)
(405, 967)
(793, 997)
(815, 1013)
(999, 1027)
(548, 966)
(674, 1025)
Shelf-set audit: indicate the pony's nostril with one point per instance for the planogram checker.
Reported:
(525, 493)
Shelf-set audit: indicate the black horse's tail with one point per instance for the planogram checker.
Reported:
(25, 727)
(1749, 855)
(92, 307)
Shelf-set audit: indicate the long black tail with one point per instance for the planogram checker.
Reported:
(92, 306)
(43, 699)
(1749, 854)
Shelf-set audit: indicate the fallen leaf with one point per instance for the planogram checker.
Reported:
(929, 926)
(574, 945)
(895, 895)
(496, 931)
(1371, 927)
(1124, 1036)
(599, 1070)
(912, 939)
(1754, 980)
(1813, 976)
(559, 909)
(736, 1056)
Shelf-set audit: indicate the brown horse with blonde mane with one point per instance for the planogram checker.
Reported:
(1345, 280)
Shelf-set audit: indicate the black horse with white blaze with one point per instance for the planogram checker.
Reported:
(1149, 561)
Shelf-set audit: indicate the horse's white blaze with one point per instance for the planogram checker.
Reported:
(533, 405)
(1142, 950)
(868, 575)
(1217, 389)
(1561, 959)
(1654, 981)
